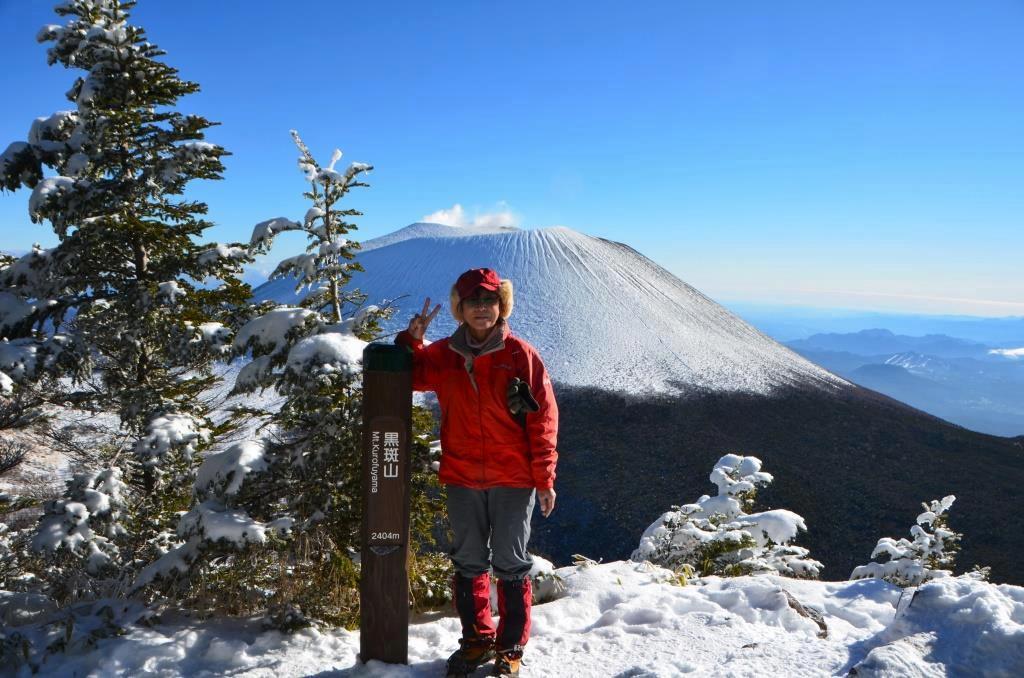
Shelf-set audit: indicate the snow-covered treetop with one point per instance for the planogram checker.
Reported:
(87, 521)
(929, 554)
(735, 475)
(327, 265)
(123, 76)
(935, 509)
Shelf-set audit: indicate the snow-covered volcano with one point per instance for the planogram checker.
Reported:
(600, 313)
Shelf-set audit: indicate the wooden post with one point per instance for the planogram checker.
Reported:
(387, 429)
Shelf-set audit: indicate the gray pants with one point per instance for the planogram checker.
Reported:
(491, 528)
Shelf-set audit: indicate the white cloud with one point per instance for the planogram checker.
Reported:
(496, 219)
(1008, 352)
(456, 216)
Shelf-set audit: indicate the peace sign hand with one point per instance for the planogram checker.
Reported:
(421, 321)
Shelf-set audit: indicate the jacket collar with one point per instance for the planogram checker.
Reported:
(460, 341)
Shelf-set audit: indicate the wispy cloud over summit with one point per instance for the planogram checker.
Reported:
(456, 216)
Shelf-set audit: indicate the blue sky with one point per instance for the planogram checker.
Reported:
(851, 154)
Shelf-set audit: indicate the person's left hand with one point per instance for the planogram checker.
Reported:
(547, 501)
(520, 398)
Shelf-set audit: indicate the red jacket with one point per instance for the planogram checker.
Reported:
(481, 444)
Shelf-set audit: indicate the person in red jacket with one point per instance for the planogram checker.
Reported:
(499, 425)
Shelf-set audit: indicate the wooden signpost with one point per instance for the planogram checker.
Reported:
(387, 429)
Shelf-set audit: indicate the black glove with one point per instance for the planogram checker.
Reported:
(520, 399)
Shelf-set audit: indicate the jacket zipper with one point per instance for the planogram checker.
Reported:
(480, 422)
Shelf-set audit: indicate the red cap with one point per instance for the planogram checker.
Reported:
(469, 281)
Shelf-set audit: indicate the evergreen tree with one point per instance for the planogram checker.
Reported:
(930, 553)
(286, 509)
(121, 305)
(314, 363)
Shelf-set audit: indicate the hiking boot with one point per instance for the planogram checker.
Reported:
(471, 654)
(506, 663)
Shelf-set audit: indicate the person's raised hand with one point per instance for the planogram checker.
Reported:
(421, 321)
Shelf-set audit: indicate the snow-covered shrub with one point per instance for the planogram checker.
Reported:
(14, 538)
(929, 554)
(214, 522)
(76, 629)
(716, 535)
(9, 565)
(87, 521)
(430, 576)
(80, 541)
(286, 617)
(547, 584)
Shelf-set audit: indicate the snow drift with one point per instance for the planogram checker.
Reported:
(629, 619)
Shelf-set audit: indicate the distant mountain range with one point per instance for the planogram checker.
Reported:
(655, 381)
(883, 341)
(965, 382)
(790, 323)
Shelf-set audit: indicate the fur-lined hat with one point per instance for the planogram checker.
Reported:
(476, 278)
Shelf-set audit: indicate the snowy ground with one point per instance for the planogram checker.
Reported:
(625, 619)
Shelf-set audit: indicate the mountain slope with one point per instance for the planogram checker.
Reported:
(600, 313)
(855, 464)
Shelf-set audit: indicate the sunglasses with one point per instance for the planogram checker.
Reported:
(489, 300)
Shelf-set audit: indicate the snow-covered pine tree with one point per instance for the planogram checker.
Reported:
(929, 556)
(121, 307)
(313, 356)
(300, 482)
(716, 535)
